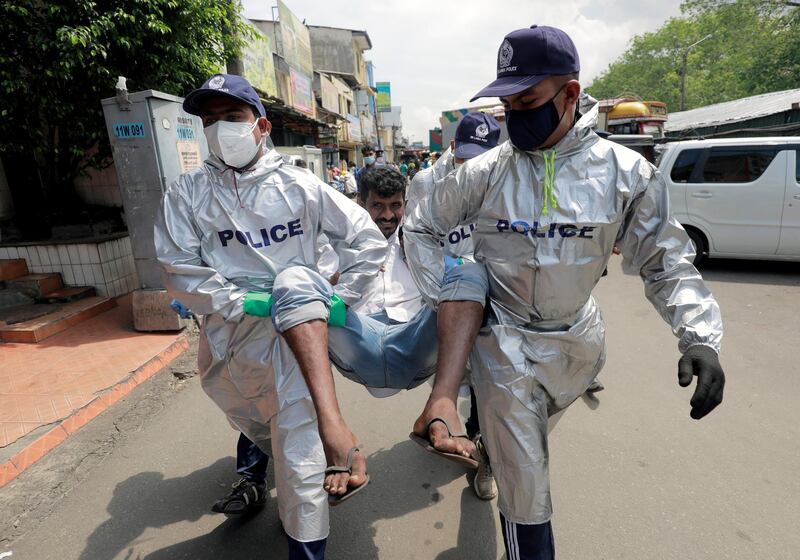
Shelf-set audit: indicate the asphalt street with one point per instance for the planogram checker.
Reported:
(633, 477)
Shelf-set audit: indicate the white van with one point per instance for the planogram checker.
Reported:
(737, 198)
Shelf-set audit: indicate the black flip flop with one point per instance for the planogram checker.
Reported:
(426, 444)
(351, 490)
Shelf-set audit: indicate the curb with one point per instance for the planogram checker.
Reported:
(79, 418)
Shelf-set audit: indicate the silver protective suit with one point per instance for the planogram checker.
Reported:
(544, 341)
(456, 244)
(221, 234)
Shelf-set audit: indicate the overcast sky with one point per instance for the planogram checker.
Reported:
(438, 54)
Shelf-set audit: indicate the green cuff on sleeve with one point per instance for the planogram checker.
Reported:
(258, 304)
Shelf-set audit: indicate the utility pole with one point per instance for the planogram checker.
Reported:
(683, 68)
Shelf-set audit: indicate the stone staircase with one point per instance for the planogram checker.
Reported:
(36, 306)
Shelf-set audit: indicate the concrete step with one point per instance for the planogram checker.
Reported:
(22, 313)
(65, 295)
(12, 268)
(13, 298)
(36, 285)
(60, 319)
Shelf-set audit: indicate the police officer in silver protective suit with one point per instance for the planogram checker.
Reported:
(244, 226)
(550, 205)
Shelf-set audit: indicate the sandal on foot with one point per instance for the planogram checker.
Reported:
(425, 442)
(351, 490)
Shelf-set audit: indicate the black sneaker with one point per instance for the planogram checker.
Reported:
(246, 497)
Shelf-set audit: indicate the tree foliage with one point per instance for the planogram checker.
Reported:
(754, 48)
(60, 58)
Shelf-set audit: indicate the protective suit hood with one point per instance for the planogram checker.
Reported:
(444, 165)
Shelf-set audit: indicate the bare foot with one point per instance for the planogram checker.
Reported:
(337, 440)
(438, 434)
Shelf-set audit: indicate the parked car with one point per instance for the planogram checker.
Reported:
(737, 198)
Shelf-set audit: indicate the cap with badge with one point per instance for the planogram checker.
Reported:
(528, 56)
(476, 134)
(223, 85)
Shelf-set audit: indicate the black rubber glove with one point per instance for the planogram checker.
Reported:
(703, 362)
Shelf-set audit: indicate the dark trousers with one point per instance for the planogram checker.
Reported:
(251, 462)
(314, 550)
(472, 425)
(528, 542)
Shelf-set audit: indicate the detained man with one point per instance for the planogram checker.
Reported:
(476, 134)
(550, 205)
(238, 241)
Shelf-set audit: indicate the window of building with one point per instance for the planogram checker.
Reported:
(797, 165)
(684, 165)
(737, 164)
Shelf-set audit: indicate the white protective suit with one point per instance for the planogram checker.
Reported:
(221, 234)
(544, 341)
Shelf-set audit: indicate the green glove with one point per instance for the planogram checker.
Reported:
(338, 313)
(258, 304)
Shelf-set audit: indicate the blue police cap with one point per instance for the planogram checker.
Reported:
(528, 56)
(223, 85)
(476, 133)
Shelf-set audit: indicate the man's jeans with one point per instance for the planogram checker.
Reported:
(374, 351)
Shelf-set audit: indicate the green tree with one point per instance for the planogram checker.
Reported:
(754, 48)
(60, 58)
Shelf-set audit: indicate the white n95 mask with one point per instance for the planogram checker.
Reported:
(232, 142)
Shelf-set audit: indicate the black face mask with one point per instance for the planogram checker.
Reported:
(528, 129)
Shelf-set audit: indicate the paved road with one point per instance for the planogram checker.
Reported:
(633, 476)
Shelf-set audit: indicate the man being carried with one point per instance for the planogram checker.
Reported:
(549, 207)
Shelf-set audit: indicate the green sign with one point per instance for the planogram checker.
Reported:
(296, 40)
(384, 100)
(257, 65)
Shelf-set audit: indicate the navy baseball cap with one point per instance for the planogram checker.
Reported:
(528, 56)
(223, 85)
(476, 133)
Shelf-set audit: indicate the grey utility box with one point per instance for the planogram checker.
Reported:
(153, 141)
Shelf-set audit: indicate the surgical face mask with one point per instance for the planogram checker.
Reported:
(369, 160)
(233, 142)
(528, 129)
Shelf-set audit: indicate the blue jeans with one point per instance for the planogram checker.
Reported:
(379, 353)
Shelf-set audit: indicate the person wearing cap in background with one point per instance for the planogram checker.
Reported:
(550, 204)
(476, 134)
(238, 240)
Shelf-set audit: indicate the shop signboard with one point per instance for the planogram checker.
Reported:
(257, 64)
(354, 128)
(384, 96)
(302, 95)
